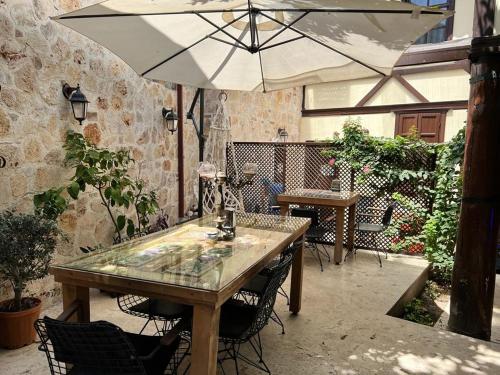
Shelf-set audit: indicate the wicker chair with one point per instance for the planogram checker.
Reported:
(241, 322)
(153, 310)
(253, 290)
(101, 348)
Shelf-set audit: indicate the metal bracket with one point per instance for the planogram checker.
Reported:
(490, 76)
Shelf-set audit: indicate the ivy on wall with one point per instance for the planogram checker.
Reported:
(389, 160)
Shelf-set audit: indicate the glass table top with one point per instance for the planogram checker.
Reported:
(186, 255)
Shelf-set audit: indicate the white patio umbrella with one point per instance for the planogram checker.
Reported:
(255, 45)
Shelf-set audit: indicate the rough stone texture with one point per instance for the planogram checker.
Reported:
(36, 56)
(257, 116)
(342, 329)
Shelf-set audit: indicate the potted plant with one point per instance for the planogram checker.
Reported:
(27, 243)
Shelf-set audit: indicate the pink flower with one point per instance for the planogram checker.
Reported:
(366, 169)
(331, 162)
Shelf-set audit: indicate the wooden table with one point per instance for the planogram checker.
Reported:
(163, 265)
(326, 198)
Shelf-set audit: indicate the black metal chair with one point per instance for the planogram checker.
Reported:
(102, 348)
(253, 290)
(375, 225)
(314, 233)
(153, 310)
(241, 322)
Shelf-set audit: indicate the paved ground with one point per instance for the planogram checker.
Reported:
(342, 329)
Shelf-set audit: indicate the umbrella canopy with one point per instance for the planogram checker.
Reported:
(255, 45)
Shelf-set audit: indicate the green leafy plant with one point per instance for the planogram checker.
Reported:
(27, 244)
(415, 311)
(50, 204)
(106, 172)
(440, 230)
(389, 159)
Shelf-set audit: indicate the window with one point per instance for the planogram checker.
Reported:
(429, 126)
(443, 30)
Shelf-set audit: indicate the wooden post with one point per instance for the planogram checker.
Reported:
(473, 282)
(180, 150)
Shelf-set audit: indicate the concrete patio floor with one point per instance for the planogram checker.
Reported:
(342, 328)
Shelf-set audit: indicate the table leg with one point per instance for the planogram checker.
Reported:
(350, 227)
(73, 293)
(284, 209)
(339, 235)
(296, 281)
(205, 340)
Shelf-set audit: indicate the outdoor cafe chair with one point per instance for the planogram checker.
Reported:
(375, 224)
(254, 289)
(314, 233)
(164, 314)
(102, 348)
(241, 322)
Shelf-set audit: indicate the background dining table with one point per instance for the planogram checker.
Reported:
(331, 199)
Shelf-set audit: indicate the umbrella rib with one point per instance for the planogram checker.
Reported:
(228, 43)
(281, 43)
(191, 46)
(222, 30)
(325, 45)
(284, 29)
(372, 11)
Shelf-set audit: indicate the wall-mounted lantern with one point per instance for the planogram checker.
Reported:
(78, 101)
(282, 134)
(170, 118)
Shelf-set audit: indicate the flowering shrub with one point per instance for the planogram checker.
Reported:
(382, 157)
(406, 228)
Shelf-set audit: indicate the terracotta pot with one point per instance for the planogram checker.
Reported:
(17, 327)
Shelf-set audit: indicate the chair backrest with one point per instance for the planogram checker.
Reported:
(309, 213)
(95, 348)
(276, 274)
(386, 219)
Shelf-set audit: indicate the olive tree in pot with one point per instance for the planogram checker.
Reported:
(27, 244)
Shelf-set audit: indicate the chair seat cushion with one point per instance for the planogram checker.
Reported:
(161, 308)
(235, 319)
(256, 285)
(368, 227)
(315, 233)
(144, 346)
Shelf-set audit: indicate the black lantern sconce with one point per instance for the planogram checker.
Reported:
(170, 118)
(282, 134)
(79, 102)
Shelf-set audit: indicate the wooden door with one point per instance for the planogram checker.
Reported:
(429, 126)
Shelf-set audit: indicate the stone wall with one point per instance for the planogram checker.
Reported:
(36, 56)
(257, 116)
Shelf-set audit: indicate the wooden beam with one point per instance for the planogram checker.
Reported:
(373, 91)
(473, 281)
(450, 65)
(350, 111)
(484, 18)
(410, 88)
(434, 56)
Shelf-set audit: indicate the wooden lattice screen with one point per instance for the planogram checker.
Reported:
(283, 166)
